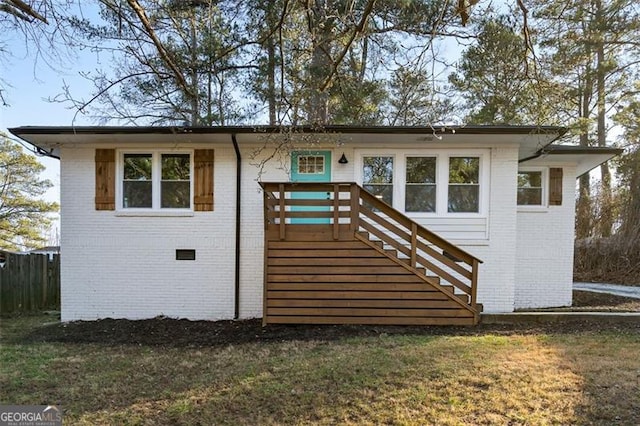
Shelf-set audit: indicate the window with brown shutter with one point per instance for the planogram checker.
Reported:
(555, 186)
(105, 179)
(203, 184)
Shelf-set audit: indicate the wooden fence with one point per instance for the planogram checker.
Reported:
(29, 283)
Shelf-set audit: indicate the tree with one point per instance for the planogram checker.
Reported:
(23, 215)
(303, 62)
(494, 76)
(628, 171)
(593, 54)
(413, 100)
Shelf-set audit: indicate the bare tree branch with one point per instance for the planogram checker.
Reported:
(22, 10)
(357, 30)
(160, 47)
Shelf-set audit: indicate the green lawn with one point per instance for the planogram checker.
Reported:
(588, 377)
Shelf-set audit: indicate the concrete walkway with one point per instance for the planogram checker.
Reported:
(617, 290)
(561, 317)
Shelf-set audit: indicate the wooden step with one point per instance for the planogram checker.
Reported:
(367, 236)
(364, 234)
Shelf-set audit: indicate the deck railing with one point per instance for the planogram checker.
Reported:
(349, 205)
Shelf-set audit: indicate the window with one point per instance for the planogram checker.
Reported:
(311, 164)
(377, 177)
(530, 188)
(420, 188)
(155, 180)
(175, 186)
(427, 183)
(137, 184)
(464, 184)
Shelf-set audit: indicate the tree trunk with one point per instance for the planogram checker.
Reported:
(584, 211)
(320, 66)
(605, 222)
(583, 206)
(194, 73)
(271, 67)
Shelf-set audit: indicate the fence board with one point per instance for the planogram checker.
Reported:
(29, 283)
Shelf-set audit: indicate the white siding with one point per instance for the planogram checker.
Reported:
(544, 263)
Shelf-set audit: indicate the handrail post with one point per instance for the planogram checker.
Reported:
(414, 244)
(355, 207)
(336, 211)
(282, 211)
(474, 283)
(266, 208)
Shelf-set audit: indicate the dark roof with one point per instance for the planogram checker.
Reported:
(574, 149)
(577, 149)
(39, 130)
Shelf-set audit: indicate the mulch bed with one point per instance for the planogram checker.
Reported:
(184, 333)
(162, 331)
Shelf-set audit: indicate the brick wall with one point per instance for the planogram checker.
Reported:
(544, 266)
(124, 267)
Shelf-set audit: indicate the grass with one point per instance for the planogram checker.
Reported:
(585, 377)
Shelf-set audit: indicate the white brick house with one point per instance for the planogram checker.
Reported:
(136, 201)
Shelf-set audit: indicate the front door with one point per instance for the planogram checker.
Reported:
(310, 166)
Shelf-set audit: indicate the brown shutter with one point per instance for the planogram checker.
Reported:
(203, 185)
(105, 179)
(555, 187)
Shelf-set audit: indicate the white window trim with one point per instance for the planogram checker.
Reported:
(541, 208)
(442, 177)
(156, 178)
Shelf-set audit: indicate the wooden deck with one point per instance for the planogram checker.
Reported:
(368, 265)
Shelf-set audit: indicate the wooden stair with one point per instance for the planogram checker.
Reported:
(349, 272)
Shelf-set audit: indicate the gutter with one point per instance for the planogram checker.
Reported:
(236, 312)
(572, 149)
(268, 129)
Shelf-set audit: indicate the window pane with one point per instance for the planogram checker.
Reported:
(530, 188)
(377, 177)
(529, 179)
(137, 166)
(383, 192)
(529, 196)
(420, 190)
(378, 170)
(175, 188)
(136, 188)
(136, 194)
(175, 195)
(175, 166)
(420, 198)
(464, 198)
(464, 170)
(421, 170)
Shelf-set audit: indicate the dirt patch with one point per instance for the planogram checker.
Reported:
(589, 299)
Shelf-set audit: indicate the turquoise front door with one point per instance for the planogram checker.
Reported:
(310, 166)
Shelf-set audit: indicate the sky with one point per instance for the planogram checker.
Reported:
(27, 85)
(28, 82)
